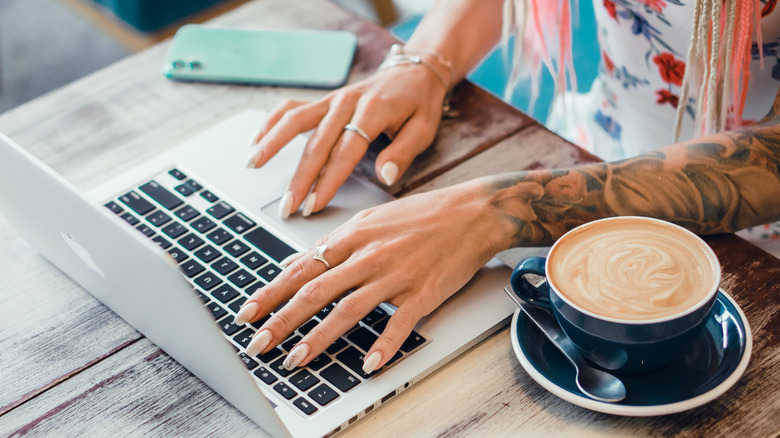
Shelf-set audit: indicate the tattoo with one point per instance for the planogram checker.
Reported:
(718, 184)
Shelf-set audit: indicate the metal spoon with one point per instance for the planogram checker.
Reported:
(594, 383)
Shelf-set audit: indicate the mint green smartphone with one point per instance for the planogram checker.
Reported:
(295, 58)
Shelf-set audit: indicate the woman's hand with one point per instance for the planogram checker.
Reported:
(413, 253)
(403, 102)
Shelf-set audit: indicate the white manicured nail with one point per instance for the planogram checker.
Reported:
(246, 313)
(254, 157)
(285, 205)
(369, 365)
(389, 173)
(289, 259)
(253, 138)
(258, 343)
(296, 356)
(308, 204)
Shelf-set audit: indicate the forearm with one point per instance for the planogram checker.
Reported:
(715, 184)
(462, 31)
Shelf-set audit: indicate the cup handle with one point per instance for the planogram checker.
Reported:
(538, 295)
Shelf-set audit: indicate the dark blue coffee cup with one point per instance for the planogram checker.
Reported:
(619, 345)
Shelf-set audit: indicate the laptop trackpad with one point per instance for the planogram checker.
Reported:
(355, 195)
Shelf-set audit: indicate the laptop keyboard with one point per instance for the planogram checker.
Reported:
(227, 256)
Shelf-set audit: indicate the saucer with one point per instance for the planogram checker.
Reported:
(709, 367)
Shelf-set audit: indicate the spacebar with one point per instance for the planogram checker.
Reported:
(269, 244)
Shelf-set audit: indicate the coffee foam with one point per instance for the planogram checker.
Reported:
(632, 269)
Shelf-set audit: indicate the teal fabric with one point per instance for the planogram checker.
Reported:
(152, 15)
(493, 73)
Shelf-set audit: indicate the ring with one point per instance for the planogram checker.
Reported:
(320, 255)
(358, 131)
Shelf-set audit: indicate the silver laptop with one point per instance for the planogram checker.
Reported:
(176, 245)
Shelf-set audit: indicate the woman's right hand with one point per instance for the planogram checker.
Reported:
(404, 102)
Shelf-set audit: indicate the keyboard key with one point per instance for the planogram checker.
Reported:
(160, 240)
(148, 232)
(158, 218)
(266, 376)
(269, 244)
(395, 357)
(191, 268)
(219, 236)
(236, 248)
(244, 337)
(353, 359)
(248, 361)
(323, 394)
(253, 260)
(192, 183)
(363, 338)
(224, 293)
(278, 368)
(236, 305)
(319, 362)
(308, 326)
(190, 242)
(304, 380)
(380, 326)
(324, 312)
(187, 213)
(207, 281)
(374, 316)
(136, 203)
(220, 210)
(270, 355)
(304, 405)
(185, 189)
(202, 296)
(129, 218)
(216, 310)
(412, 342)
(339, 377)
(239, 223)
(176, 173)
(208, 253)
(241, 278)
(254, 288)
(269, 272)
(290, 342)
(178, 254)
(161, 195)
(207, 195)
(229, 326)
(203, 224)
(114, 207)
(174, 230)
(336, 346)
(285, 390)
(259, 323)
(224, 266)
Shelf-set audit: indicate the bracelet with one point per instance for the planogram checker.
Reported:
(397, 56)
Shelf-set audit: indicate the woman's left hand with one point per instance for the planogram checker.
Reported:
(413, 253)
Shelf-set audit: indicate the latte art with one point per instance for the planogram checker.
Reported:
(632, 270)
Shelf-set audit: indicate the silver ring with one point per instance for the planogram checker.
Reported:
(358, 131)
(320, 255)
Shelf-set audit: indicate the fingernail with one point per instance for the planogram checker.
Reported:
(254, 157)
(246, 313)
(289, 259)
(285, 205)
(308, 204)
(258, 343)
(296, 356)
(369, 365)
(253, 139)
(389, 173)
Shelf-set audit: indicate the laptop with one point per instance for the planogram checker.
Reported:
(175, 245)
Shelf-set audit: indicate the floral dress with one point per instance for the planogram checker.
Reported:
(631, 107)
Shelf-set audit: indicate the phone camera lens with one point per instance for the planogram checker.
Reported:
(178, 64)
(196, 65)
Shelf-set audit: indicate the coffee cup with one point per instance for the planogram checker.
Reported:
(631, 292)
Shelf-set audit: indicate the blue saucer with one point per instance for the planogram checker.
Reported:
(710, 366)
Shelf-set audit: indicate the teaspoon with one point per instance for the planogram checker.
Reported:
(594, 383)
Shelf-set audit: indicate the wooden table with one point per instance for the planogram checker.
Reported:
(72, 367)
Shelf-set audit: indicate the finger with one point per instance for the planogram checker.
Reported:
(318, 150)
(345, 315)
(415, 136)
(273, 118)
(343, 158)
(399, 327)
(291, 123)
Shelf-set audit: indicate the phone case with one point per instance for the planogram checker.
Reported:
(297, 58)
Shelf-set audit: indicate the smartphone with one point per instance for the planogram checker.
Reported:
(295, 58)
